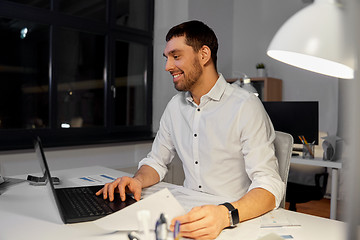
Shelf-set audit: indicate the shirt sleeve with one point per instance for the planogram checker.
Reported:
(258, 137)
(162, 151)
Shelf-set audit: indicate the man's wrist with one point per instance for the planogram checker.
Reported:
(233, 214)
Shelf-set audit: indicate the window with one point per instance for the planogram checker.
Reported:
(75, 72)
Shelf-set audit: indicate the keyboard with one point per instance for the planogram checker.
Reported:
(84, 202)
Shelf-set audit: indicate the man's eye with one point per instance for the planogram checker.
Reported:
(176, 56)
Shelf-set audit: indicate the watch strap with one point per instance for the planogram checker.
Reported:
(233, 214)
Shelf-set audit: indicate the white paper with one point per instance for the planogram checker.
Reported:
(90, 180)
(191, 198)
(276, 219)
(126, 219)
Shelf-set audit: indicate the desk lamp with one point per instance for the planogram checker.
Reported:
(315, 39)
(246, 83)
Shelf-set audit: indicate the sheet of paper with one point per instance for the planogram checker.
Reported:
(271, 236)
(126, 219)
(89, 180)
(190, 198)
(276, 219)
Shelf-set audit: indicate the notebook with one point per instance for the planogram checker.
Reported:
(79, 204)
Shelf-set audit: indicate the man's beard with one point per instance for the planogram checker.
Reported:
(192, 77)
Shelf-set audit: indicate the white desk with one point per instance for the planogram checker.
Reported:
(335, 166)
(27, 212)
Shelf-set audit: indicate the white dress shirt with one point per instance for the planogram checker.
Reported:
(225, 143)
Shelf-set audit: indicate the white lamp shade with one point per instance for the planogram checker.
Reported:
(315, 39)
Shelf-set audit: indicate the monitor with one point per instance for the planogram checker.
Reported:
(296, 118)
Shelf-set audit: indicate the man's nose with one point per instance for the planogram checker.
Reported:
(169, 65)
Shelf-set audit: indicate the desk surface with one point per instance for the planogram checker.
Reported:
(28, 212)
(316, 162)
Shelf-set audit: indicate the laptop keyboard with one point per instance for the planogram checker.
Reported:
(85, 203)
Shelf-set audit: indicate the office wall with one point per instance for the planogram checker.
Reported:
(167, 14)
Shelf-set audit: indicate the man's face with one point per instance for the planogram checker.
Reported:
(182, 63)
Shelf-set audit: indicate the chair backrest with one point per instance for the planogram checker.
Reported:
(283, 149)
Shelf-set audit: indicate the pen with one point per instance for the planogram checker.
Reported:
(177, 230)
(302, 141)
(302, 138)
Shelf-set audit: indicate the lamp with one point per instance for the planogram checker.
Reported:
(314, 39)
(246, 83)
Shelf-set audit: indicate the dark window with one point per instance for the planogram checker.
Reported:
(133, 14)
(79, 74)
(75, 72)
(36, 3)
(130, 84)
(92, 9)
(24, 74)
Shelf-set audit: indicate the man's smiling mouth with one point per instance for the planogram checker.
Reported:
(177, 76)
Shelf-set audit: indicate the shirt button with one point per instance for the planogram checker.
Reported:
(199, 186)
(198, 109)
(196, 162)
(195, 135)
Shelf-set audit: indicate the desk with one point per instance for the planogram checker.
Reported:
(27, 212)
(335, 166)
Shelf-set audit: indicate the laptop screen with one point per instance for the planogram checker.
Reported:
(46, 173)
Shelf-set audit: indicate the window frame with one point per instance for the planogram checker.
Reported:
(11, 139)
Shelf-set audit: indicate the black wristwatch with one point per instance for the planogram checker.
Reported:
(233, 214)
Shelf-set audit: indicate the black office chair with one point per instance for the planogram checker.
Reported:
(301, 193)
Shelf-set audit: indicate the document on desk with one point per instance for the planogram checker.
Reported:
(126, 219)
(89, 180)
(277, 222)
(189, 198)
(276, 219)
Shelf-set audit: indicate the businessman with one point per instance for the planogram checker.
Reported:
(221, 133)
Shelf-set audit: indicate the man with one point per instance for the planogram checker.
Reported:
(221, 133)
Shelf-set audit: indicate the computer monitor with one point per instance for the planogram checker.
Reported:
(297, 118)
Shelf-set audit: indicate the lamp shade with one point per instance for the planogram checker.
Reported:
(315, 39)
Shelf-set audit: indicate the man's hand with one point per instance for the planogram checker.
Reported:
(205, 222)
(121, 185)
(144, 177)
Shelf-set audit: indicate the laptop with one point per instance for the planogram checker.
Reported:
(79, 204)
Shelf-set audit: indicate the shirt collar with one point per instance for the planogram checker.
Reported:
(215, 93)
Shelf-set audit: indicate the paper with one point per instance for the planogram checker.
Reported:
(100, 179)
(271, 236)
(126, 219)
(276, 219)
(191, 198)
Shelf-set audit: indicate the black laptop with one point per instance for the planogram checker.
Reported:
(79, 204)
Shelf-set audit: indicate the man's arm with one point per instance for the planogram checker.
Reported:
(255, 203)
(144, 177)
(206, 222)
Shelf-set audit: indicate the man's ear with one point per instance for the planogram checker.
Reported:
(205, 55)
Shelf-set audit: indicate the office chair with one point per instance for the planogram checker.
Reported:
(301, 193)
(283, 149)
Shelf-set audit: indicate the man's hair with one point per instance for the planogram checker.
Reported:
(197, 34)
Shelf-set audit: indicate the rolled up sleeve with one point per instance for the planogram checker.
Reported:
(261, 163)
(162, 151)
